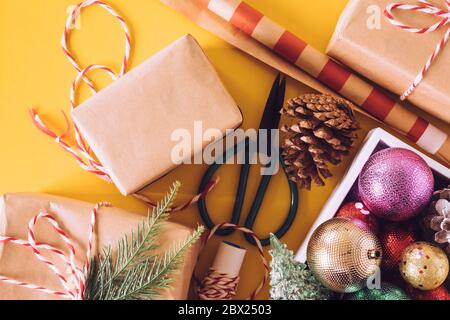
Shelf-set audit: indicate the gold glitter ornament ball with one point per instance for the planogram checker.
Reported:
(343, 255)
(424, 266)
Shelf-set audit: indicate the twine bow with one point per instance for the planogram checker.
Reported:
(74, 285)
(444, 21)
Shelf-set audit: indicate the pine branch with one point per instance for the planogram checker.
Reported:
(136, 272)
(143, 240)
(142, 284)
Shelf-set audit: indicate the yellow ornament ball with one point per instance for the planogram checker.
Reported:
(424, 266)
(343, 255)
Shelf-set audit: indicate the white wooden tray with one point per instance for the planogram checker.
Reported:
(376, 140)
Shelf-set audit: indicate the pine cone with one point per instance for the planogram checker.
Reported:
(323, 132)
(437, 220)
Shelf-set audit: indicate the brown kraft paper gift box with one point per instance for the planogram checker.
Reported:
(130, 123)
(19, 263)
(393, 57)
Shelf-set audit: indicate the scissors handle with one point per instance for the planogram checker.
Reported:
(257, 202)
(240, 193)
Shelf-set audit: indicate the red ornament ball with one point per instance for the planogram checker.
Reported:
(357, 210)
(353, 194)
(440, 293)
(394, 238)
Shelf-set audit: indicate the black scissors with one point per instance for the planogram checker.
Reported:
(270, 120)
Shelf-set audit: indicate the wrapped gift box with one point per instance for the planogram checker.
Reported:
(20, 263)
(376, 140)
(129, 125)
(393, 57)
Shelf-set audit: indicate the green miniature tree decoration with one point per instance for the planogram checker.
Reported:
(135, 271)
(290, 279)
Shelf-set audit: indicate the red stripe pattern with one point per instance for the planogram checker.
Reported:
(334, 75)
(418, 129)
(330, 73)
(246, 18)
(378, 104)
(290, 47)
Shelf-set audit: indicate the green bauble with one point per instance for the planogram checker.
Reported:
(387, 292)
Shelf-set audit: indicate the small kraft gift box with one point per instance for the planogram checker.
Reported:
(18, 262)
(392, 48)
(129, 125)
(377, 140)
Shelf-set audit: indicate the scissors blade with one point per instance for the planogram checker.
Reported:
(279, 103)
(271, 116)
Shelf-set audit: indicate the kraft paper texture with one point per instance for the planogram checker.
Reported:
(392, 57)
(129, 124)
(19, 263)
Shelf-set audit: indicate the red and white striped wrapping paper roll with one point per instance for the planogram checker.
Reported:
(290, 47)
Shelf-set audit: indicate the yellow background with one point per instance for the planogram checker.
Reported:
(35, 73)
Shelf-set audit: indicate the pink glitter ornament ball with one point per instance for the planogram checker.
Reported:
(396, 184)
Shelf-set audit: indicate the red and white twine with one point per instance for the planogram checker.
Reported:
(81, 152)
(427, 8)
(69, 23)
(220, 286)
(149, 202)
(74, 285)
(215, 285)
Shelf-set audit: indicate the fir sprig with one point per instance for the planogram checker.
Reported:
(134, 271)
